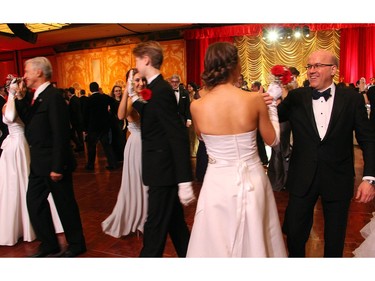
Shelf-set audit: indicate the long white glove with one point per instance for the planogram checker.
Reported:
(10, 111)
(186, 193)
(13, 87)
(275, 91)
(130, 87)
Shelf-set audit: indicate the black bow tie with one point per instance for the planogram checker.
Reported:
(176, 91)
(326, 94)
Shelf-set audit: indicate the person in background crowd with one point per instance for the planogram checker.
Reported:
(183, 100)
(118, 126)
(193, 94)
(256, 87)
(76, 120)
(97, 123)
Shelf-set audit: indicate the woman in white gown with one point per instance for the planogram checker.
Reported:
(14, 173)
(367, 247)
(129, 213)
(236, 214)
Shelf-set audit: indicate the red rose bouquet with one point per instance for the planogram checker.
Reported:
(281, 74)
(146, 94)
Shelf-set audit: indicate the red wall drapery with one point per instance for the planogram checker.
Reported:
(357, 53)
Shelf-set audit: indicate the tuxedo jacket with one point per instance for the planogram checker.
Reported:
(183, 106)
(165, 141)
(75, 113)
(97, 117)
(371, 98)
(330, 160)
(47, 130)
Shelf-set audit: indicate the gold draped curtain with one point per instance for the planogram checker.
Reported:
(257, 55)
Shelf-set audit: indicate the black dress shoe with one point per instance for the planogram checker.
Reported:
(42, 254)
(71, 254)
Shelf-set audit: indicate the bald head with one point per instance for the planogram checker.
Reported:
(321, 68)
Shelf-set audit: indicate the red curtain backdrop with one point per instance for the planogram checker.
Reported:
(357, 56)
(357, 52)
(195, 52)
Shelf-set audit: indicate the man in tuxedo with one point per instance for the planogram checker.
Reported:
(47, 131)
(97, 124)
(183, 100)
(3, 128)
(371, 99)
(321, 164)
(76, 120)
(166, 166)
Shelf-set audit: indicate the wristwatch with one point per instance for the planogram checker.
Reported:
(372, 182)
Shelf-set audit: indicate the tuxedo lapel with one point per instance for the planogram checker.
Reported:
(338, 106)
(307, 101)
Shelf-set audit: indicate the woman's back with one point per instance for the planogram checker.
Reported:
(227, 110)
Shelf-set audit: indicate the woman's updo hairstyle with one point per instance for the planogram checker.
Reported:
(219, 63)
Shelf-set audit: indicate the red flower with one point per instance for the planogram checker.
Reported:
(146, 94)
(282, 74)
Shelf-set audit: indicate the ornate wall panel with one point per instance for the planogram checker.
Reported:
(108, 65)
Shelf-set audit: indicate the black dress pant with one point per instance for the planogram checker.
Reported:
(165, 216)
(39, 188)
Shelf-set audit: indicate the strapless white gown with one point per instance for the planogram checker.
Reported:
(367, 248)
(236, 213)
(130, 211)
(14, 177)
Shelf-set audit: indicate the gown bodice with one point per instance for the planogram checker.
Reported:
(14, 127)
(236, 147)
(134, 127)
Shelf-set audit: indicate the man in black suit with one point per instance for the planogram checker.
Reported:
(97, 124)
(47, 131)
(3, 128)
(166, 166)
(76, 120)
(321, 164)
(371, 99)
(183, 100)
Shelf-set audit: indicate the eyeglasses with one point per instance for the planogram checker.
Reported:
(317, 66)
(175, 81)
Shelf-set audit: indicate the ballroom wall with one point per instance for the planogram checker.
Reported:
(108, 65)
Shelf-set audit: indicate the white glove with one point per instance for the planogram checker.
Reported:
(130, 84)
(186, 193)
(13, 87)
(275, 91)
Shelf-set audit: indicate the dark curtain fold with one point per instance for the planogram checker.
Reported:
(357, 56)
(195, 52)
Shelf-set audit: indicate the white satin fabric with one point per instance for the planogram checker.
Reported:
(236, 213)
(130, 211)
(367, 247)
(14, 173)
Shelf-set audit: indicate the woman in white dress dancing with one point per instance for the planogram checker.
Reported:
(129, 213)
(14, 174)
(236, 213)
